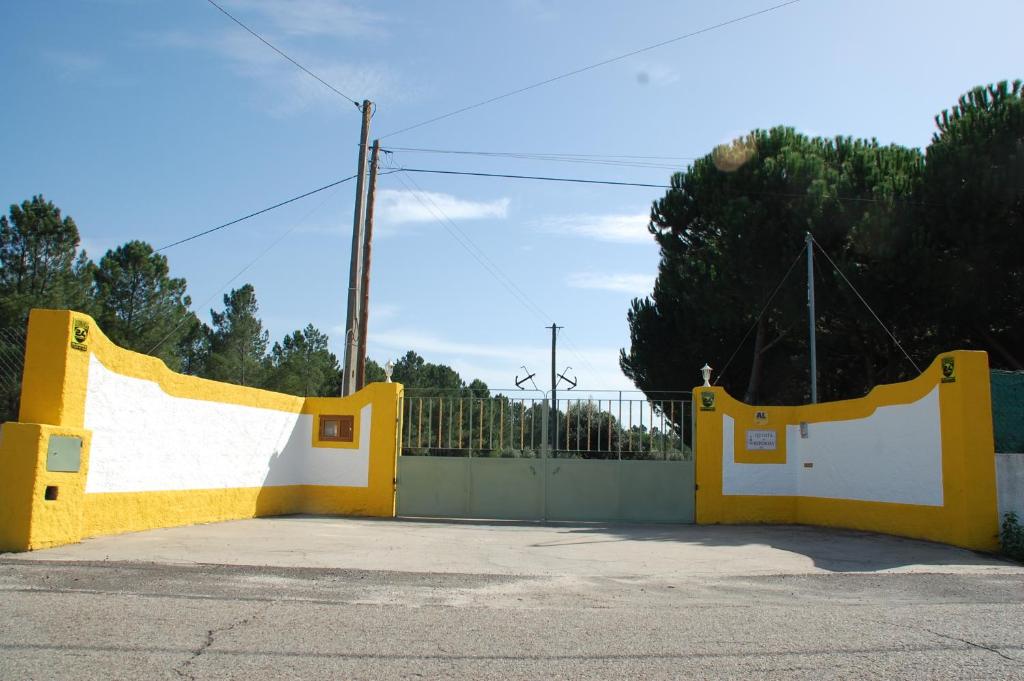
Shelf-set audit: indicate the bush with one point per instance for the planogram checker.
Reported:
(1012, 537)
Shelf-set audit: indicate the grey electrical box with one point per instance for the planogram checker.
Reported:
(64, 454)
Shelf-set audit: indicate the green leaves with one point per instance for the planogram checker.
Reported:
(303, 365)
(935, 243)
(40, 264)
(139, 306)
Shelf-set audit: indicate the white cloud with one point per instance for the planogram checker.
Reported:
(396, 207)
(635, 284)
(616, 228)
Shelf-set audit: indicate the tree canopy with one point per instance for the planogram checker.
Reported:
(139, 305)
(932, 241)
(142, 307)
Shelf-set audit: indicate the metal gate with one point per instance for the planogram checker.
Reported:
(618, 458)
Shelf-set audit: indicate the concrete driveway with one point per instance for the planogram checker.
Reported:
(531, 549)
(370, 599)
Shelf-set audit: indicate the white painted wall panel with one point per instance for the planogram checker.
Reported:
(1010, 484)
(759, 479)
(893, 455)
(144, 440)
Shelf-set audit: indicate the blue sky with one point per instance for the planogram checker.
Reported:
(154, 120)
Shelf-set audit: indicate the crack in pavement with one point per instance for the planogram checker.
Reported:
(181, 669)
(948, 637)
(972, 643)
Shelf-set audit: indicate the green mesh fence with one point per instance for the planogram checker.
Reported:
(1008, 410)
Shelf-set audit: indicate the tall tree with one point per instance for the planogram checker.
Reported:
(302, 364)
(238, 343)
(975, 204)
(194, 347)
(139, 305)
(40, 264)
(729, 231)
(415, 373)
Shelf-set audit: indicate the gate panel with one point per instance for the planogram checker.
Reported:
(656, 491)
(522, 457)
(511, 489)
(580, 489)
(433, 486)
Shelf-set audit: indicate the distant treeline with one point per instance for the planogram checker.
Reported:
(140, 306)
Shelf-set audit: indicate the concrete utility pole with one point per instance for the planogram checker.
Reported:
(364, 305)
(348, 381)
(554, 383)
(812, 339)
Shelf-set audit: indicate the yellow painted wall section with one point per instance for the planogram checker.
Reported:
(27, 519)
(377, 499)
(53, 402)
(968, 516)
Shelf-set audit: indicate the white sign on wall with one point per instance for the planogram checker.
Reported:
(761, 439)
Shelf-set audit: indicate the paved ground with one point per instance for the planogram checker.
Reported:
(344, 598)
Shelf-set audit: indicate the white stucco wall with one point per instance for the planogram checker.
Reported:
(893, 455)
(1010, 484)
(145, 440)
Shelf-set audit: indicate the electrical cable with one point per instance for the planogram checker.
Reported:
(252, 215)
(578, 71)
(475, 251)
(297, 64)
(861, 298)
(241, 271)
(588, 159)
(536, 177)
(790, 195)
(535, 153)
(761, 314)
(479, 255)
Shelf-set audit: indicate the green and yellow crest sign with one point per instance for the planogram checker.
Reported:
(949, 369)
(80, 334)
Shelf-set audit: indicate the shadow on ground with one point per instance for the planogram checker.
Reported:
(835, 550)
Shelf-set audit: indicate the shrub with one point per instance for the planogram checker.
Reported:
(1011, 537)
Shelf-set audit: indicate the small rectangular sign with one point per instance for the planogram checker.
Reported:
(761, 439)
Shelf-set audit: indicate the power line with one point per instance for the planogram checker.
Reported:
(252, 215)
(536, 153)
(470, 247)
(480, 256)
(578, 71)
(297, 64)
(761, 314)
(785, 195)
(861, 298)
(589, 159)
(536, 177)
(241, 271)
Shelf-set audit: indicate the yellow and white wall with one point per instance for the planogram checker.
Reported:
(914, 459)
(161, 449)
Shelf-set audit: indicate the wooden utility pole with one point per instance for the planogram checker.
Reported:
(348, 381)
(364, 304)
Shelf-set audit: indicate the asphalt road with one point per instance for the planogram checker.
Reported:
(74, 619)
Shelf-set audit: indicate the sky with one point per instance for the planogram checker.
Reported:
(154, 120)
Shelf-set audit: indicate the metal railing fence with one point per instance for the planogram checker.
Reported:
(12, 365)
(620, 426)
